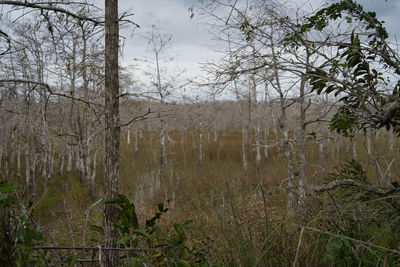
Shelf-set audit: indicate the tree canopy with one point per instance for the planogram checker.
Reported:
(364, 72)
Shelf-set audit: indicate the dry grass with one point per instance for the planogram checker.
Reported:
(231, 227)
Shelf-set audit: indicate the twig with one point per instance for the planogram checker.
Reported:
(51, 8)
(94, 248)
(101, 262)
(349, 238)
(87, 219)
(298, 247)
(138, 118)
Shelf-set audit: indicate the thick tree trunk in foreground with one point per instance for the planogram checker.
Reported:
(111, 174)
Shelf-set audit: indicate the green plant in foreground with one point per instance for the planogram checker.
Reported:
(340, 253)
(16, 235)
(365, 213)
(160, 247)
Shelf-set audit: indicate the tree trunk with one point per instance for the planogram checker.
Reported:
(27, 165)
(19, 160)
(92, 177)
(183, 133)
(112, 132)
(266, 131)
(391, 141)
(258, 149)
(244, 160)
(368, 137)
(200, 145)
(302, 146)
(215, 135)
(353, 144)
(275, 128)
(70, 158)
(337, 142)
(163, 159)
(136, 141)
(62, 162)
(1, 156)
(266, 121)
(291, 198)
(257, 123)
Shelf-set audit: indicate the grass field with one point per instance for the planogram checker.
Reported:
(239, 218)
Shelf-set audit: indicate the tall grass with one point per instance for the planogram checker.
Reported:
(239, 216)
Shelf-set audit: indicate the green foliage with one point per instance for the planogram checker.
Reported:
(350, 170)
(169, 248)
(361, 213)
(340, 253)
(248, 29)
(61, 187)
(16, 235)
(344, 122)
(355, 73)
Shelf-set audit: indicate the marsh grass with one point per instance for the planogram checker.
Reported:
(240, 217)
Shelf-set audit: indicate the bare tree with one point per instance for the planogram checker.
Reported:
(165, 84)
(257, 33)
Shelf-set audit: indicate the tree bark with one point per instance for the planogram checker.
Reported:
(303, 183)
(112, 132)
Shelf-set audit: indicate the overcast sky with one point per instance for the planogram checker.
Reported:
(191, 39)
(192, 42)
(388, 11)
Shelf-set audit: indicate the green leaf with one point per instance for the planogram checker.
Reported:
(124, 239)
(97, 228)
(73, 260)
(161, 207)
(142, 233)
(133, 220)
(156, 254)
(123, 199)
(181, 232)
(329, 89)
(133, 262)
(6, 188)
(354, 60)
(181, 263)
(111, 201)
(3, 197)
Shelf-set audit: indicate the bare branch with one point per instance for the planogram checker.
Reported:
(49, 7)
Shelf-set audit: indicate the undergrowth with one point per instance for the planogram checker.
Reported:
(222, 215)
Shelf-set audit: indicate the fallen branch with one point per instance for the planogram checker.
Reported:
(350, 182)
(94, 248)
(349, 238)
